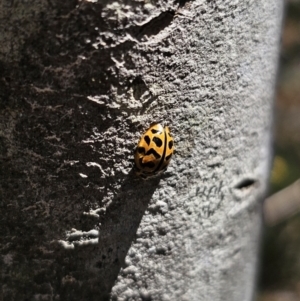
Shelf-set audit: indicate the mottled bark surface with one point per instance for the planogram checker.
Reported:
(80, 82)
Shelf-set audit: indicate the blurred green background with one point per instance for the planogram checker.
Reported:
(280, 262)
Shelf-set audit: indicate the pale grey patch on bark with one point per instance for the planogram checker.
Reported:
(217, 98)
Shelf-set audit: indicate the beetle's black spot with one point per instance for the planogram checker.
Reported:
(154, 131)
(151, 151)
(147, 139)
(157, 141)
(171, 144)
(141, 150)
(169, 135)
(168, 157)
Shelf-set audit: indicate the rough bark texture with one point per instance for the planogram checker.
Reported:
(80, 82)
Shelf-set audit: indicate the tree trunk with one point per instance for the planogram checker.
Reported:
(81, 82)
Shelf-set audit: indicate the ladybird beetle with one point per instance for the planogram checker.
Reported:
(154, 151)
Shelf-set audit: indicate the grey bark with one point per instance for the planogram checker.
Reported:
(81, 81)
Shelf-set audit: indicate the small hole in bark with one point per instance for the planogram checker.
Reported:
(245, 183)
(139, 88)
(161, 251)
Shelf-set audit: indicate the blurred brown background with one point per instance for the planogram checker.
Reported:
(280, 262)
